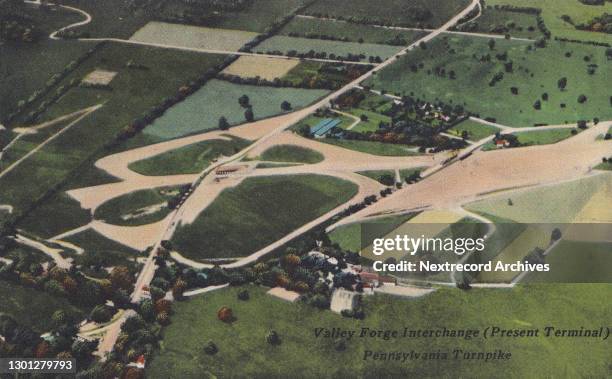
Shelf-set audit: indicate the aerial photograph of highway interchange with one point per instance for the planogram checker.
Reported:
(203, 188)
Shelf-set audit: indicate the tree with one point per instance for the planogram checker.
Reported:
(286, 106)
(163, 305)
(387, 179)
(555, 235)
(491, 44)
(537, 105)
(225, 314)
(273, 338)
(121, 278)
(179, 287)
(562, 83)
(248, 115)
(101, 314)
(163, 319)
(244, 101)
(223, 123)
(146, 309)
(211, 348)
(243, 295)
(303, 130)
(582, 99)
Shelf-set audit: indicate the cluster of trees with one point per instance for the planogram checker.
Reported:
(323, 55)
(61, 342)
(592, 43)
(397, 40)
(602, 24)
(593, 2)
(329, 76)
(412, 123)
(421, 17)
(71, 284)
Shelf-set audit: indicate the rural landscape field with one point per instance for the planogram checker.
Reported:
(221, 188)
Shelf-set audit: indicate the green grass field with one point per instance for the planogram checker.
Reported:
(607, 166)
(110, 18)
(193, 36)
(190, 159)
(552, 10)
(395, 12)
(292, 154)
(530, 306)
(372, 122)
(498, 21)
(537, 137)
(258, 15)
(133, 92)
(201, 111)
(372, 147)
(376, 174)
(31, 307)
(28, 142)
(476, 131)
(543, 137)
(543, 205)
(533, 76)
(25, 67)
(54, 216)
(137, 208)
(285, 44)
(258, 212)
(350, 32)
(349, 236)
(577, 262)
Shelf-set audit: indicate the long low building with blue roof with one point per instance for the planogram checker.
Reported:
(323, 127)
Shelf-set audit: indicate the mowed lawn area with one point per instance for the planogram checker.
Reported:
(33, 308)
(349, 237)
(201, 111)
(244, 352)
(137, 208)
(190, 159)
(286, 44)
(372, 147)
(419, 13)
(426, 74)
(475, 130)
(552, 10)
(499, 21)
(71, 155)
(189, 36)
(348, 32)
(544, 137)
(258, 212)
(370, 121)
(291, 154)
(559, 203)
(577, 262)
